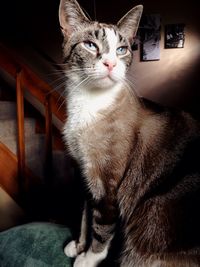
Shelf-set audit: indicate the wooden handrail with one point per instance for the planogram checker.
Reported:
(31, 82)
(20, 124)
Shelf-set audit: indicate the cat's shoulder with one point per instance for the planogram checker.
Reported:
(158, 108)
(174, 116)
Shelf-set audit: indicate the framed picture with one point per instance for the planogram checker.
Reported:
(150, 37)
(174, 35)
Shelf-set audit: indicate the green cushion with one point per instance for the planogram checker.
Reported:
(34, 245)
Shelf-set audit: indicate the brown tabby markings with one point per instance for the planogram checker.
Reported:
(139, 160)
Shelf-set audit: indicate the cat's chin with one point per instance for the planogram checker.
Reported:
(105, 83)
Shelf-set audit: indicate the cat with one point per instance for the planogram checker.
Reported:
(139, 160)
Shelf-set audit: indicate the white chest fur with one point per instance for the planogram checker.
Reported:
(85, 106)
(83, 109)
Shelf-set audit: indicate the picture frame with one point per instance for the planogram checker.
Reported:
(150, 37)
(175, 35)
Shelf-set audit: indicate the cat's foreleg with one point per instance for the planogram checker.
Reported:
(75, 247)
(104, 219)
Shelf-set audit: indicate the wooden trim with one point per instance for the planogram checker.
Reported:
(9, 175)
(20, 124)
(9, 171)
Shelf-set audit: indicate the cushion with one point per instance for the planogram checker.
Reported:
(34, 245)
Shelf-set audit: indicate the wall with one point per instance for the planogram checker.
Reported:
(174, 79)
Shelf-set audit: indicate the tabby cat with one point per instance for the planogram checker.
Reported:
(139, 160)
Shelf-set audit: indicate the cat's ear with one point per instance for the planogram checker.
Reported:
(129, 23)
(71, 17)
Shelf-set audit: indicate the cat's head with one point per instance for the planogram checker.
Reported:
(96, 54)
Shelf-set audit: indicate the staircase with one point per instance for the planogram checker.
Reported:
(33, 158)
(10, 212)
(34, 142)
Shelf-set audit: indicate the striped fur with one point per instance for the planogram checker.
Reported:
(139, 160)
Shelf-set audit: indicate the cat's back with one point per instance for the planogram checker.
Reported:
(176, 122)
(159, 196)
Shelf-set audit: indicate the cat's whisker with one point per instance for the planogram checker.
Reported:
(57, 85)
(62, 103)
(129, 86)
(61, 82)
(58, 80)
(77, 69)
(56, 72)
(61, 97)
(80, 83)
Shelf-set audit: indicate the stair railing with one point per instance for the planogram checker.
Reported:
(26, 79)
(20, 129)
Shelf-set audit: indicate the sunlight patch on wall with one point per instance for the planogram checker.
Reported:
(175, 67)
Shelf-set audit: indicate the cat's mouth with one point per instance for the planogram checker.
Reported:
(108, 76)
(106, 81)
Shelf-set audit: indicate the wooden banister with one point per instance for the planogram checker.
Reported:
(31, 82)
(20, 124)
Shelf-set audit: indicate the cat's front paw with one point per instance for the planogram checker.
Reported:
(71, 249)
(80, 261)
(88, 259)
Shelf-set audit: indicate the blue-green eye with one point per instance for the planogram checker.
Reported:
(122, 50)
(91, 46)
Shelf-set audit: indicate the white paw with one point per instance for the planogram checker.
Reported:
(89, 259)
(80, 261)
(71, 249)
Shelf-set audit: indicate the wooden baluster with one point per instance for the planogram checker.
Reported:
(21, 135)
(48, 140)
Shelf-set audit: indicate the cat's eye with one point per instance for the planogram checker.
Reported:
(91, 46)
(122, 50)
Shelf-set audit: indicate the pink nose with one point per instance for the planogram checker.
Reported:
(109, 64)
